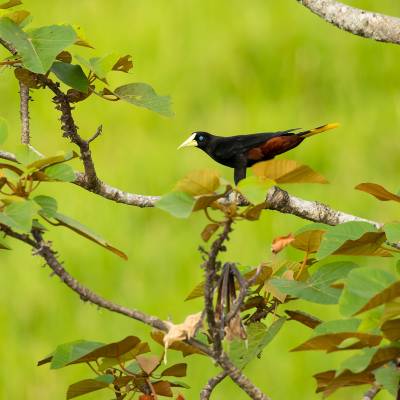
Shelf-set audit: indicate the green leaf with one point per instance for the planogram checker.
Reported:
(178, 204)
(59, 157)
(362, 284)
(134, 368)
(107, 378)
(337, 326)
(87, 233)
(60, 172)
(69, 352)
(18, 215)
(71, 75)
(39, 47)
(143, 95)
(25, 155)
(3, 130)
(392, 231)
(337, 235)
(258, 336)
(388, 376)
(317, 288)
(255, 189)
(101, 66)
(48, 205)
(86, 386)
(359, 362)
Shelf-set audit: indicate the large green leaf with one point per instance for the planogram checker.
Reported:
(59, 157)
(60, 172)
(392, 231)
(48, 205)
(87, 233)
(72, 75)
(101, 66)
(178, 204)
(258, 336)
(3, 130)
(25, 155)
(69, 352)
(18, 215)
(337, 235)
(143, 95)
(4, 245)
(362, 284)
(337, 326)
(39, 47)
(317, 288)
(360, 361)
(388, 376)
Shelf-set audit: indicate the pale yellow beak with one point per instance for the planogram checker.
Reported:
(189, 142)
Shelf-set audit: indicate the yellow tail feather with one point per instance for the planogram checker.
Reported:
(320, 129)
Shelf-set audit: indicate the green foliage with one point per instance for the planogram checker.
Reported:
(71, 75)
(137, 376)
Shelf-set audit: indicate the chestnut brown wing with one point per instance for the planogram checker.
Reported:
(272, 147)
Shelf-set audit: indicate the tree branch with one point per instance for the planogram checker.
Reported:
(211, 384)
(380, 27)
(211, 268)
(70, 130)
(24, 113)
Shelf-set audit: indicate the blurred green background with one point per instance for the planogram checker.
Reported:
(231, 67)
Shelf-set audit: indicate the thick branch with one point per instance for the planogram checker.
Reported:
(211, 268)
(380, 27)
(24, 113)
(211, 384)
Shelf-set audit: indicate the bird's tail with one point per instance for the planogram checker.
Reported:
(320, 129)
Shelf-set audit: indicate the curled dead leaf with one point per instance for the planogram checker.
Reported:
(279, 243)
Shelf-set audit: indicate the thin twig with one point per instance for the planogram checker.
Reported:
(372, 392)
(372, 25)
(242, 294)
(211, 384)
(24, 113)
(98, 133)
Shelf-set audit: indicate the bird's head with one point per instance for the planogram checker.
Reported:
(198, 139)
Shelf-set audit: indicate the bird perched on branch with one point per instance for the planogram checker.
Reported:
(242, 151)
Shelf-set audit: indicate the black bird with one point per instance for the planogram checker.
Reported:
(242, 151)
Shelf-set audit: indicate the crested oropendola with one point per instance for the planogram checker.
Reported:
(242, 151)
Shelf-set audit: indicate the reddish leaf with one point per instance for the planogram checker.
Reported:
(303, 318)
(65, 57)
(124, 64)
(146, 397)
(391, 329)
(369, 244)
(178, 370)
(148, 363)
(163, 388)
(331, 342)
(378, 191)
(208, 231)
(279, 243)
(85, 386)
(383, 297)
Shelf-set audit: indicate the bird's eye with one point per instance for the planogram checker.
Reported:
(201, 138)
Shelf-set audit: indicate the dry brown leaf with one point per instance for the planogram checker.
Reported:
(183, 331)
(378, 191)
(279, 243)
(287, 171)
(303, 318)
(235, 329)
(148, 363)
(391, 329)
(208, 231)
